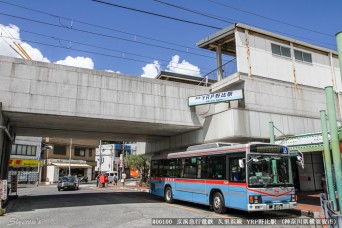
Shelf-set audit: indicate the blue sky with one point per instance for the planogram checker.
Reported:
(321, 16)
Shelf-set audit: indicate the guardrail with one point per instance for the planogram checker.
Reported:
(228, 68)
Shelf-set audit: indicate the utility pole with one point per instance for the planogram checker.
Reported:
(100, 162)
(70, 157)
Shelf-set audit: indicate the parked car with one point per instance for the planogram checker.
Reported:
(68, 182)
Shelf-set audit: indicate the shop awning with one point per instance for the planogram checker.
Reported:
(72, 165)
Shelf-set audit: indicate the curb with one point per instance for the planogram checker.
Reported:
(136, 189)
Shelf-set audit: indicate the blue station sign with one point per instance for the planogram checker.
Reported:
(216, 97)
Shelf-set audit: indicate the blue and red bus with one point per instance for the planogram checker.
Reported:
(249, 177)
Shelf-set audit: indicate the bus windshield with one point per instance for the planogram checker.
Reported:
(269, 171)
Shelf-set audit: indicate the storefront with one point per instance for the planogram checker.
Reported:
(25, 169)
(60, 167)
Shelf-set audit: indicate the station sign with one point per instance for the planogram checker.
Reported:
(216, 97)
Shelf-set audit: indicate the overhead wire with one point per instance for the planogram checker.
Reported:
(99, 47)
(194, 11)
(96, 53)
(156, 14)
(100, 26)
(269, 18)
(105, 35)
(223, 19)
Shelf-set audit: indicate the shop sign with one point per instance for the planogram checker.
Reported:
(24, 162)
(216, 97)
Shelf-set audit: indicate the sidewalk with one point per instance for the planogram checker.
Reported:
(309, 204)
(130, 184)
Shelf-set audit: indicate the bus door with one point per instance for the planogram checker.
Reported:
(237, 183)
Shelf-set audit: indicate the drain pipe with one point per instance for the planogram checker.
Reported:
(7, 132)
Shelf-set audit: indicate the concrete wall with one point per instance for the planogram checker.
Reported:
(44, 88)
(293, 109)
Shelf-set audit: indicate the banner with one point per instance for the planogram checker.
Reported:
(216, 97)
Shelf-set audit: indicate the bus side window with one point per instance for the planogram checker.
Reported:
(236, 174)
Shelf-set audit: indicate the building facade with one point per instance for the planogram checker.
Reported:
(24, 159)
(77, 155)
(282, 80)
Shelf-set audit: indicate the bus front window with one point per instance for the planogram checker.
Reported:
(268, 171)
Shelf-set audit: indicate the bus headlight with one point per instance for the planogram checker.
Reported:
(293, 198)
(255, 199)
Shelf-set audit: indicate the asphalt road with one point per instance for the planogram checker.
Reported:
(111, 207)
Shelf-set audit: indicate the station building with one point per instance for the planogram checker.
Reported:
(283, 81)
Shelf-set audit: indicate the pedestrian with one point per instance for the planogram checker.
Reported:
(123, 179)
(98, 180)
(115, 178)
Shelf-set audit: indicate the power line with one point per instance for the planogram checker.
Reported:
(95, 46)
(99, 26)
(156, 14)
(96, 53)
(269, 18)
(194, 11)
(105, 35)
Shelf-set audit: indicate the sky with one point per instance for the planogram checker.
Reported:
(91, 34)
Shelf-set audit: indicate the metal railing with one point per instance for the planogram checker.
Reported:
(228, 69)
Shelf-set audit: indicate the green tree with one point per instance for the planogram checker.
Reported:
(140, 163)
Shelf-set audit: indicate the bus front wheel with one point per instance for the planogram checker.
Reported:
(218, 203)
(168, 195)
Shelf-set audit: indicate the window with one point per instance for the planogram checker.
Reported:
(281, 50)
(90, 152)
(25, 150)
(303, 56)
(154, 168)
(236, 174)
(61, 150)
(79, 152)
(190, 168)
(213, 167)
(14, 149)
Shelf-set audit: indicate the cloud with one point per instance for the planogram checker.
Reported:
(183, 67)
(111, 71)
(79, 61)
(11, 34)
(151, 70)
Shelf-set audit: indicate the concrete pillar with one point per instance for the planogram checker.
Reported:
(219, 63)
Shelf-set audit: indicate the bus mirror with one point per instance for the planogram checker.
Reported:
(241, 164)
(300, 159)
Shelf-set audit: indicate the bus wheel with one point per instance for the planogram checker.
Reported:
(168, 195)
(218, 203)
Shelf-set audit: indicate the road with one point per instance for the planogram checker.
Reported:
(89, 206)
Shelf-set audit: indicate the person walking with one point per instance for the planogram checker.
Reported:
(115, 179)
(123, 179)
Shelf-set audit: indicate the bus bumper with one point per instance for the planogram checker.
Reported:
(271, 206)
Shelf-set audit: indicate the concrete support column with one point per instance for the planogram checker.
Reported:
(219, 63)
